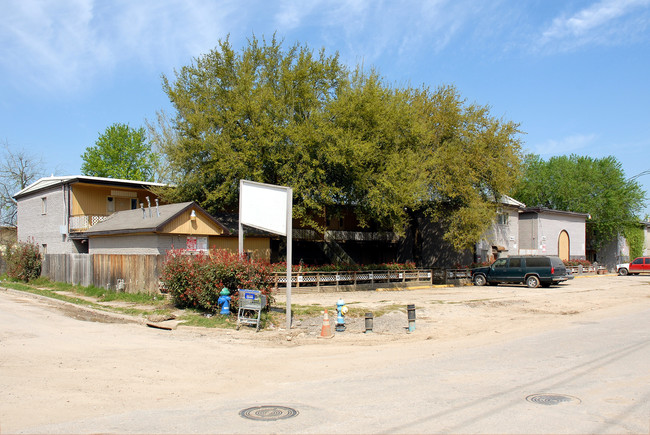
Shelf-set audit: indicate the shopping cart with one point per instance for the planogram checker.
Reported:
(251, 303)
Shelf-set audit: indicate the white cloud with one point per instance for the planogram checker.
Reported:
(60, 46)
(604, 22)
(565, 146)
(366, 31)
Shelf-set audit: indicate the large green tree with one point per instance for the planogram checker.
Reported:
(121, 152)
(339, 137)
(584, 184)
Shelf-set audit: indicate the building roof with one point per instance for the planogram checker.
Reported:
(48, 182)
(146, 220)
(506, 200)
(540, 210)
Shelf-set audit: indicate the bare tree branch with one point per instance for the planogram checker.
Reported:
(18, 169)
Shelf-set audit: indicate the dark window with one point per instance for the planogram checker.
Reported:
(638, 261)
(647, 261)
(501, 262)
(537, 262)
(515, 262)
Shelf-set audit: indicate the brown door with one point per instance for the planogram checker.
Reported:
(563, 246)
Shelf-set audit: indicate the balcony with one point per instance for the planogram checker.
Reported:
(82, 223)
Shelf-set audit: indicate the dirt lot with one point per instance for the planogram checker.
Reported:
(442, 313)
(449, 313)
(69, 369)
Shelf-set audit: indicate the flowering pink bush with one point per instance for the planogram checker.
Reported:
(196, 280)
(584, 263)
(24, 261)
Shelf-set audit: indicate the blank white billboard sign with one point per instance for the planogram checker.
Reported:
(264, 206)
(267, 207)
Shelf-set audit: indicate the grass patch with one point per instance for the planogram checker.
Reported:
(199, 319)
(45, 287)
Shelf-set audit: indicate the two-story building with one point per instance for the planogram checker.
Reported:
(70, 215)
(54, 212)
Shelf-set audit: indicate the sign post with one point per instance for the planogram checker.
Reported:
(269, 208)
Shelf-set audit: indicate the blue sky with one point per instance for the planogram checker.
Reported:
(574, 74)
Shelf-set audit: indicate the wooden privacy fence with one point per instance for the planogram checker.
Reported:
(127, 273)
(70, 268)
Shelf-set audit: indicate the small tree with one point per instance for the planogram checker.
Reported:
(24, 261)
(121, 152)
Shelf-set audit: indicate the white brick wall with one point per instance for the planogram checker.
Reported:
(44, 229)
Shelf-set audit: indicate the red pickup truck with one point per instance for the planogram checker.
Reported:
(639, 265)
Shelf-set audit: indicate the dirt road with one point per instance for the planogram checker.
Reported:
(59, 365)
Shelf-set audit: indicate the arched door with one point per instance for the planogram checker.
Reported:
(563, 246)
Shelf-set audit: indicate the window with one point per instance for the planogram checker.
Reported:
(110, 205)
(501, 262)
(134, 203)
(515, 262)
(44, 205)
(638, 261)
(502, 218)
(197, 243)
(538, 262)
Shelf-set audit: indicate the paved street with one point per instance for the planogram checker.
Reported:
(592, 373)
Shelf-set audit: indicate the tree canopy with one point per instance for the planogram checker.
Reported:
(585, 185)
(120, 152)
(338, 137)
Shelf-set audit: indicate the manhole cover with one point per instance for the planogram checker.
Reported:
(268, 413)
(551, 399)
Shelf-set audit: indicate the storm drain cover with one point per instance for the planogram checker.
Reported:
(268, 413)
(552, 399)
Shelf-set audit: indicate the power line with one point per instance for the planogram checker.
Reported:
(639, 175)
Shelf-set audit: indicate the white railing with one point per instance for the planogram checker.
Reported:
(82, 223)
(348, 278)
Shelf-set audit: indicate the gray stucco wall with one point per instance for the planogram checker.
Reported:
(141, 244)
(540, 232)
(45, 229)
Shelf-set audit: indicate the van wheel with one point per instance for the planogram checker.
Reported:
(532, 281)
(622, 271)
(479, 280)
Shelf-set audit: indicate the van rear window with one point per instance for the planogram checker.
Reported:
(537, 262)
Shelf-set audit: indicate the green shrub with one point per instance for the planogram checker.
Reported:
(24, 261)
(195, 281)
